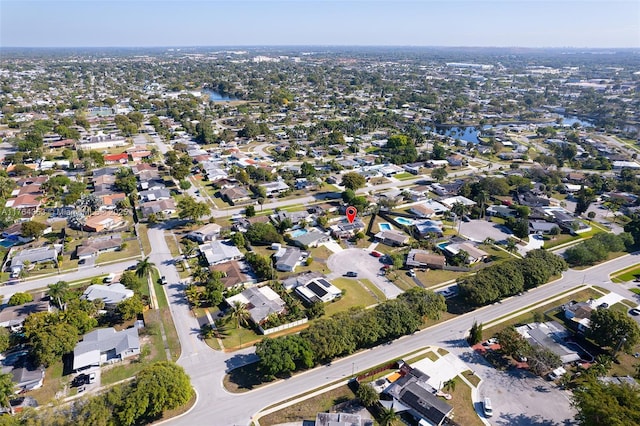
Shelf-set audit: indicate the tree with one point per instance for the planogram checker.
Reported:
(49, 343)
(32, 229)
(388, 416)
(606, 404)
(450, 385)
(130, 308)
(7, 389)
(424, 302)
(143, 267)
(5, 339)
(184, 184)
(614, 329)
(125, 180)
(512, 245)
(240, 313)
(250, 211)
(283, 355)
(130, 280)
(20, 299)
(238, 239)
(158, 387)
(475, 333)
(263, 234)
(60, 293)
(189, 208)
(367, 395)
(438, 152)
(439, 174)
(584, 198)
(512, 343)
(353, 181)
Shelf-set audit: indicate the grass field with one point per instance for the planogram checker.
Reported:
(465, 413)
(372, 288)
(355, 295)
(627, 274)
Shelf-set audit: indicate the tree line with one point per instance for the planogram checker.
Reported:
(346, 332)
(597, 248)
(510, 277)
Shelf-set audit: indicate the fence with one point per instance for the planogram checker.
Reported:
(283, 326)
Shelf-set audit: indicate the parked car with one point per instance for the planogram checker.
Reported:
(92, 378)
(351, 274)
(109, 278)
(487, 407)
(412, 273)
(634, 312)
(603, 306)
(163, 280)
(376, 254)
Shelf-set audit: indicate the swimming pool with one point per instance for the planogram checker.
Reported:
(298, 232)
(384, 226)
(404, 221)
(7, 243)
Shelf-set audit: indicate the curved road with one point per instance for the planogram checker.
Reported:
(208, 367)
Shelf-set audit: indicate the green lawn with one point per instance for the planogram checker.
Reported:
(627, 274)
(465, 413)
(144, 239)
(53, 383)
(375, 290)
(404, 176)
(355, 295)
(132, 249)
(434, 277)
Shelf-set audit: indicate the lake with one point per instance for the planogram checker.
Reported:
(218, 97)
(467, 134)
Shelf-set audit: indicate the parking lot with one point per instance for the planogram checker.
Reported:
(478, 230)
(365, 265)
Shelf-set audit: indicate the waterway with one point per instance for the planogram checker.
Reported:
(218, 97)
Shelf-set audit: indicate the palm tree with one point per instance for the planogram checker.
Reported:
(59, 292)
(240, 313)
(459, 209)
(450, 385)
(200, 274)
(143, 268)
(482, 199)
(388, 416)
(512, 245)
(193, 295)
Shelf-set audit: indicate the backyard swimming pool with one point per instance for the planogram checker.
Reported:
(298, 232)
(404, 221)
(384, 226)
(7, 243)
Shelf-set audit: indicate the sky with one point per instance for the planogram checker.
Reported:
(501, 23)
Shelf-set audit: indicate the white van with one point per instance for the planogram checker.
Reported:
(109, 278)
(487, 408)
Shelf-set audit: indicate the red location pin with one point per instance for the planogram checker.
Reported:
(351, 213)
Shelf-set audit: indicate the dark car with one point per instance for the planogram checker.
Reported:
(603, 306)
(635, 312)
(351, 274)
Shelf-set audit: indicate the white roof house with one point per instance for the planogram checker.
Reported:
(220, 251)
(105, 345)
(260, 302)
(110, 294)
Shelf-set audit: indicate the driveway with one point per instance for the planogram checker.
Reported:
(367, 266)
(478, 230)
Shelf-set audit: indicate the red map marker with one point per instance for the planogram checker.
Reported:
(351, 213)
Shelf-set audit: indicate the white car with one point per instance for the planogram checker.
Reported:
(92, 378)
(487, 408)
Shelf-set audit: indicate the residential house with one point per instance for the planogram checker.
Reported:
(275, 188)
(166, 208)
(111, 294)
(110, 201)
(428, 227)
(318, 290)
(475, 254)
(529, 199)
(216, 252)
(500, 211)
(413, 168)
(28, 204)
(310, 238)
(121, 158)
(14, 316)
(423, 259)
(154, 195)
(103, 221)
(235, 273)
(33, 256)
(455, 160)
(412, 394)
(105, 345)
(550, 335)
(451, 201)
(208, 232)
(260, 302)
(24, 375)
(344, 229)
(295, 217)
(287, 258)
(341, 419)
(541, 227)
(301, 279)
(579, 314)
(421, 210)
(235, 195)
(392, 237)
(93, 247)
